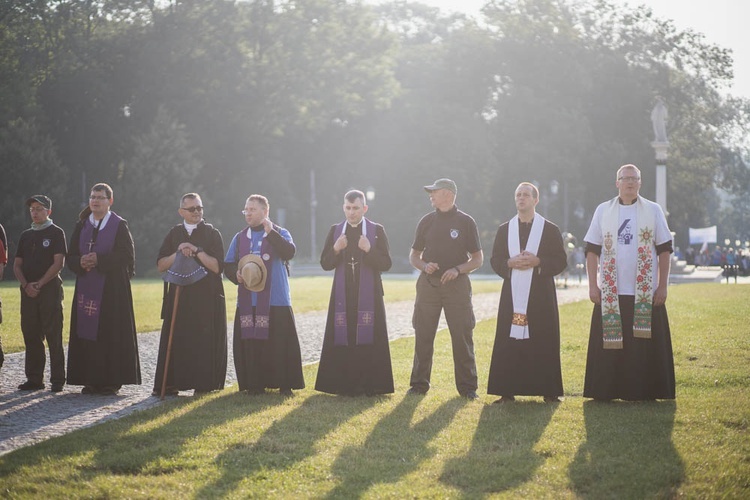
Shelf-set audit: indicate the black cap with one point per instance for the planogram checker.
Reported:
(41, 199)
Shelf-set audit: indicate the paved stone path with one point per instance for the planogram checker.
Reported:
(27, 418)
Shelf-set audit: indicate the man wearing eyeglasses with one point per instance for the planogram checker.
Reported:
(198, 358)
(103, 349)
(446, 249)
(39, 258)
(628, 247)
(265, 346)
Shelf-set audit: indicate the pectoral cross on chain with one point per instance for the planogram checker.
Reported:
(91, 245)
(353, 263)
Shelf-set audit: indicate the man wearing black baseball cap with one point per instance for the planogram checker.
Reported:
(39, 258)
(446, 249)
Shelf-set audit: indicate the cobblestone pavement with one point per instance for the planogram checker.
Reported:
(27, 418)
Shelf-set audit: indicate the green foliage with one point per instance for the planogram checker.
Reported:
(31, 166)
(387, 97)
(163, 168)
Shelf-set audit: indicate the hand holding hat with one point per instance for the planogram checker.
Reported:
(252, 270)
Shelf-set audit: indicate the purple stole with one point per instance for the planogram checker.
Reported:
(366, 304)
(254, 323)
(90, 286)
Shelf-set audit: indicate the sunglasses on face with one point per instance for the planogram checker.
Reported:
(192, 210)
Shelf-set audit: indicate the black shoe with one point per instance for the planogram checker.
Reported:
(57, 388)
(470, 395)
(504, 399)
(551, 399)
(285, 391)
(31, 386)
(88, 389)
(413, 391)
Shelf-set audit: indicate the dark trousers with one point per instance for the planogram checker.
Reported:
(454, 298)
(42, 318)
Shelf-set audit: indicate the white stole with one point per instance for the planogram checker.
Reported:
(520, 280)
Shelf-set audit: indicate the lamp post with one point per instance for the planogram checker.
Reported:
(313, 207)
(547, 195)
(660, 145)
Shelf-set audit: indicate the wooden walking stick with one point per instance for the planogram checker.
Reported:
(169, 342)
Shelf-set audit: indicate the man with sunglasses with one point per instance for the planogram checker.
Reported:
(446, 249)
(39, 258)
(198, 358)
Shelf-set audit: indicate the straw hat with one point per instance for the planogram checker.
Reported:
(253, 271)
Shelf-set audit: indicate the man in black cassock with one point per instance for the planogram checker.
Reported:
(628, 256)
(198, 358)
(266, 347)
(356, 358)
(528, 253)
(103, 349)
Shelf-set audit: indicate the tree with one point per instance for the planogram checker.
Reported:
(151, 182)
(31, 167)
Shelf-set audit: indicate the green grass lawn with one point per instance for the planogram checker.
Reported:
(437, 446)
(308, 294)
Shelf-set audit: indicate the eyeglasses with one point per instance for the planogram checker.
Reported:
(245, 212)
(192, 210)
(629, 179)
(37, 209)
(98, 198)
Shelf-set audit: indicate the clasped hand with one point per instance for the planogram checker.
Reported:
(524, 260)
(89, 261)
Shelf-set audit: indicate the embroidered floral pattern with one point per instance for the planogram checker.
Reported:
(611, 316)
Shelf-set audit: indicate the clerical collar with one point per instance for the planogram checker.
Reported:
(96, 223)
(189, 227)
(357, 224)
(622, 202)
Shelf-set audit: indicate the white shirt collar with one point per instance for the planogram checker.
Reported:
(95, 223)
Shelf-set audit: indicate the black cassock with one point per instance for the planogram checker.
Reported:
(199, 343)
(356, 369)
(529, 367)
(112, 359)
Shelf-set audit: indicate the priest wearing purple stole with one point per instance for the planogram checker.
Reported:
(266, 347)
(356, 357)
(103, 350)
(628, 247)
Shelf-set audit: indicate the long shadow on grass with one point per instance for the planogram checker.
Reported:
(119, 449)
(286, 442)
(393, 449)
(156, 451)
(502, 454)
(628, 451)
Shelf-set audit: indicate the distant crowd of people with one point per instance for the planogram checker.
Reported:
(626, 259)
(718, 256)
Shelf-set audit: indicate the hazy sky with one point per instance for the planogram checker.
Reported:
(724, 22)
